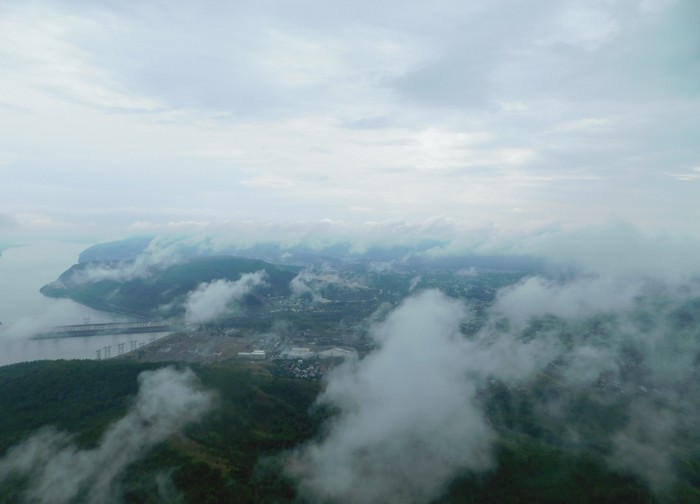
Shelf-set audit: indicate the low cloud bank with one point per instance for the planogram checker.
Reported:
(606, 363)
(619, 343)
(58, 471)
(211, 300)
(407, 421)
(160, 253)
(616, 248)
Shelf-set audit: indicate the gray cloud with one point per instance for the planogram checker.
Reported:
(58, 470)
(7, 221)
(551, 107)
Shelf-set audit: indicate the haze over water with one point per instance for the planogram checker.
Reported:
(86, 347)
(23, 309)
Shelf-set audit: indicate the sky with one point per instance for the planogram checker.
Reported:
(125, 117)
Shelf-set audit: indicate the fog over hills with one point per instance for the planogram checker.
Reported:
(384, 251)
(571, 356)
(160, 290)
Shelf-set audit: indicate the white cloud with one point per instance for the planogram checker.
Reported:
(160, 253)
(407, 419)
(693, 174)
(211, 300)
(40, 41)
(582, 298)
(407, 422)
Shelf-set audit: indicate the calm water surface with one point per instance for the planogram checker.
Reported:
(84, 347)
(24, 311)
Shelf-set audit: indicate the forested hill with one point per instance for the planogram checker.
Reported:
(234, 453)
(255, 414)
(130, 288)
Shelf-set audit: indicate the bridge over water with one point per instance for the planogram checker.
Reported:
(69, 331)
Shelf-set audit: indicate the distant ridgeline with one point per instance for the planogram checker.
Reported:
(417, 254)
(151, 279)
(121, 250)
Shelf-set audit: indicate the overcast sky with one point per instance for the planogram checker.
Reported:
(123, 116)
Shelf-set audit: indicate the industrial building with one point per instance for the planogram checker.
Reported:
(254, 355)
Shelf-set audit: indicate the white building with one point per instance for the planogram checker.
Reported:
(300, 353)
(255, 355)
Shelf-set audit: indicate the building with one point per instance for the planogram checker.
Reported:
(300, 353)
(254, 355)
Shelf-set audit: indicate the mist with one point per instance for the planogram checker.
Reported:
(160, 253)
(407, 421)
(307, 284)
(311, 283)
(212, 300)
(551, 139)
(423, 407)
(23, 271)
(57, 470)
(616, 330)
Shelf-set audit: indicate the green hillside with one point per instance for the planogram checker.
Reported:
(232, 455)
(217, 460)
(160, 291)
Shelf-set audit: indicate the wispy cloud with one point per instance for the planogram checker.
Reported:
(58, 471)
(211, 300)
(407, 422)
(689, 176)
(415, 413)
